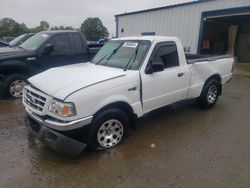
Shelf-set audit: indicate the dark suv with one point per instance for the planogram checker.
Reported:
(42, 51)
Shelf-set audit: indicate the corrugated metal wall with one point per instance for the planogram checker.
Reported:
(182, 21)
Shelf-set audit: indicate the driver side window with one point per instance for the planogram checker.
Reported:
(167, 54)
(61, 45)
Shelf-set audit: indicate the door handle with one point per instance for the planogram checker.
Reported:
(132, 89)
(181, 74)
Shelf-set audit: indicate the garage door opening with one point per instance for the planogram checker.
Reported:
(227, 35)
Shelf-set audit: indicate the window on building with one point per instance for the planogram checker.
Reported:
(148, 33)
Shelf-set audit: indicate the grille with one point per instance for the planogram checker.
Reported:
(34, 100)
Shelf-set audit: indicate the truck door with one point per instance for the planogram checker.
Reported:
(167, 86)
(60, 54)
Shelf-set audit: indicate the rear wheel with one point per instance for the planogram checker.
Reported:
(209, 95)
(13, 85)
(108, 129)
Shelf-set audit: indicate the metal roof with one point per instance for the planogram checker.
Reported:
(164, 7)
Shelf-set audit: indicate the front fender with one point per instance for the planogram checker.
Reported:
(135, 106)
(14, 66)
(89, 104)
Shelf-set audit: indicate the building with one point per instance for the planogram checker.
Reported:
(204, 26)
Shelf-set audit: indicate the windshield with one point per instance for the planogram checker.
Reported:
(16, 40)
(122, 54)
(34, 42)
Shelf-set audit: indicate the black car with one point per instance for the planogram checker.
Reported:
(40, 52)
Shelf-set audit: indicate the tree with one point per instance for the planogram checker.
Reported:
(44, 26)
(11, 28)
(61, 27)
(6, 27)
(93, 29)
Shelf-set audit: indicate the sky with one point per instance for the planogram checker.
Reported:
(74, 12)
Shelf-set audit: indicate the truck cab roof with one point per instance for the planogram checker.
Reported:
(51, 32)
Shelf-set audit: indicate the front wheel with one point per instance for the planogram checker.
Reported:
(13, 85)
(108, 129)
(209, 95)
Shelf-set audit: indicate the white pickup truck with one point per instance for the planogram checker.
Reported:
(94, 104)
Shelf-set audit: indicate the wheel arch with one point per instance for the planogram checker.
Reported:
(215, 77)
(123, 106)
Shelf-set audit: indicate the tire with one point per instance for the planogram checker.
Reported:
(209, 94)
(108, 129)
(13, 85)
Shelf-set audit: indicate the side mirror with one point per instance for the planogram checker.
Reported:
(155, 66)
(48, 49)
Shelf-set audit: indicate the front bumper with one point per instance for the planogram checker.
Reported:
(53, 139)
(60, 126)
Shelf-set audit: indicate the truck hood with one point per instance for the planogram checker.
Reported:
(60, 82)
(12, 52)
(3, 44)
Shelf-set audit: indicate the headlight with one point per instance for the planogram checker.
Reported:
(62, 109)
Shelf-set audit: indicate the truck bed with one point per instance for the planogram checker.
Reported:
(194, 58)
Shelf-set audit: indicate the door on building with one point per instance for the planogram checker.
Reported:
(227, 35)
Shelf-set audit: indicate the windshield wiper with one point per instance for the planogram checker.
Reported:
(109, 56)
(133, 57)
